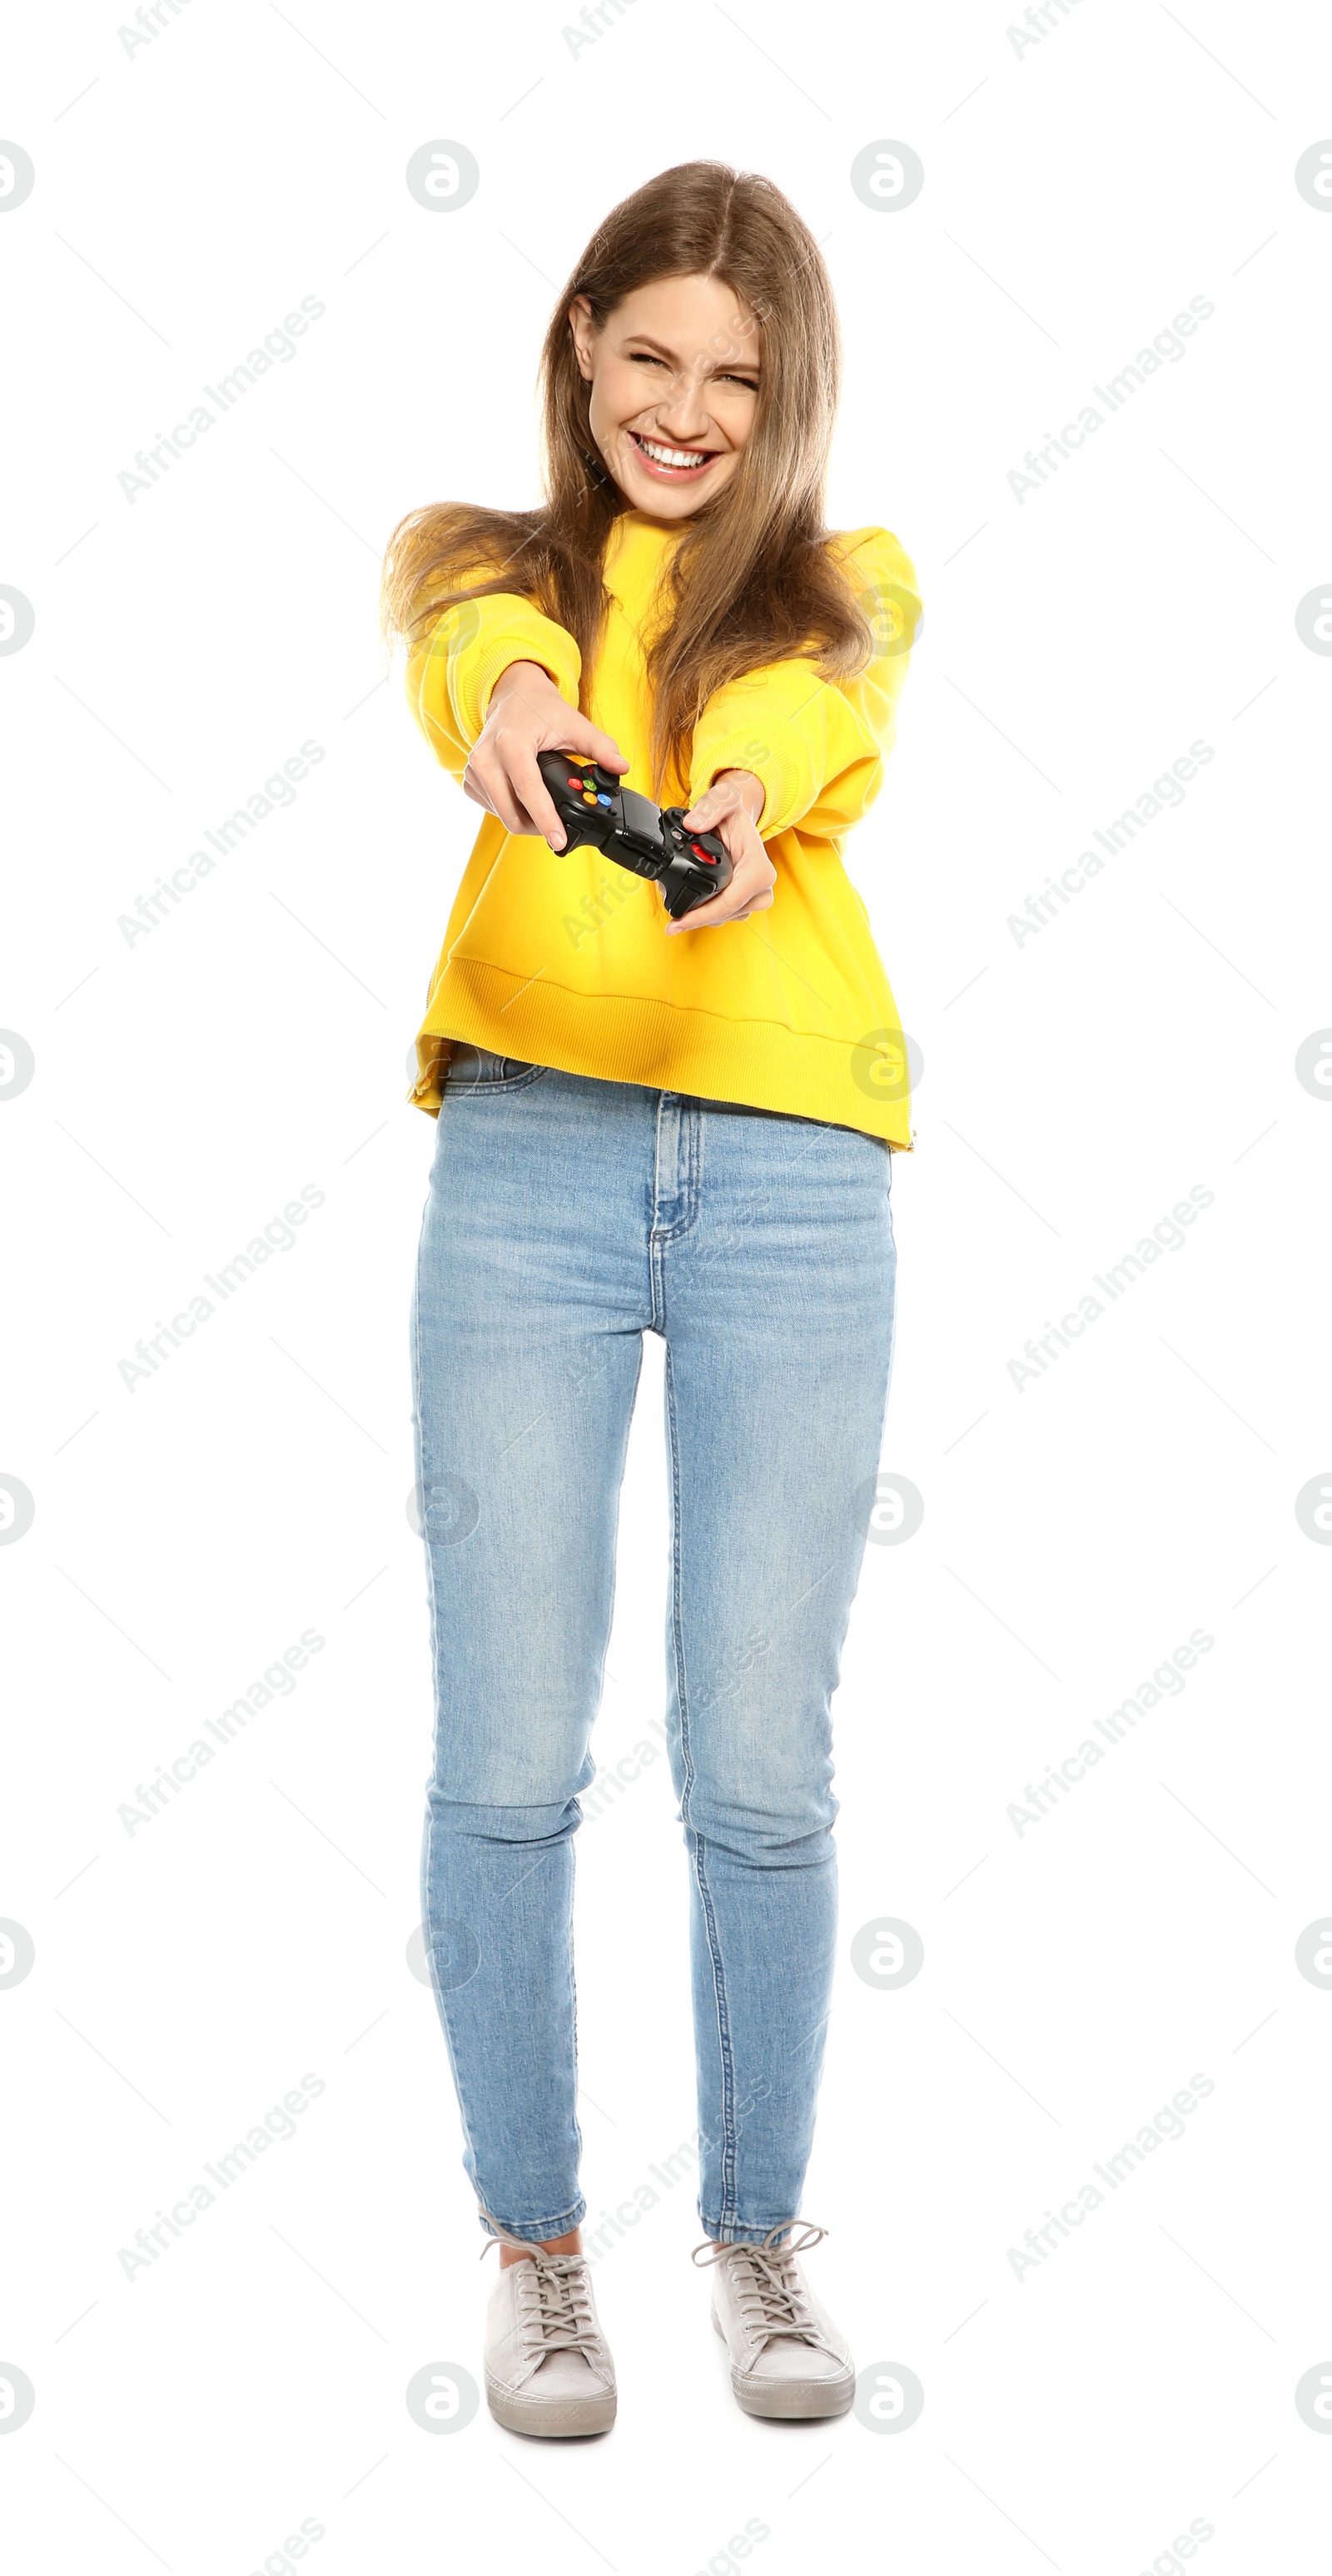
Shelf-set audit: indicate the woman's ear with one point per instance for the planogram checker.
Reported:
(583, 328)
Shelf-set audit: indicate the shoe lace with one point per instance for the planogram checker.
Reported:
(555, 2301)
(766, 2281)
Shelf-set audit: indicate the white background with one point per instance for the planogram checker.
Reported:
(1077, 195)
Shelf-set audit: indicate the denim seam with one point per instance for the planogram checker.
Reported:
(495, 1082)
(691, 1119)
(695, 1839)
(573, 2015)
(729, 2142)
(738, 2234)
(428, 1846)
(559, 2226)
(536, 2230)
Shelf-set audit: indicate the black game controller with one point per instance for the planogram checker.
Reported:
(592, 805)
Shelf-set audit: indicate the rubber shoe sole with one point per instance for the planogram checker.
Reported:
(557, 2419)
(793, 2399)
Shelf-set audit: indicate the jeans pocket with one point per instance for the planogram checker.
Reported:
(473, 1069)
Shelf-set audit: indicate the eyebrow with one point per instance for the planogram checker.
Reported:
(659, 349)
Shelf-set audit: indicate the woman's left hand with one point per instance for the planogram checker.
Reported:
(731, 808)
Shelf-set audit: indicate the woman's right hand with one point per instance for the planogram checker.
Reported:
(526, 715)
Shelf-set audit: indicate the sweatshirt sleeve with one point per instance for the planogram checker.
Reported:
(819, 746)
(453, 669)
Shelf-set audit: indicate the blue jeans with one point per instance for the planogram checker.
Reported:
(566, 1218)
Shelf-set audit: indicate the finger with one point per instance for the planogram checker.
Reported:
(591, 743)
(712, 915)
(712, 806)
(492, 790)
(528, 787)
(474, 785)
(750, 889)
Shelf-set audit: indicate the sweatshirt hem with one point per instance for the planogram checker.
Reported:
(758, 1064)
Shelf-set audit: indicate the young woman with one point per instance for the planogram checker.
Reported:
(645, 1126)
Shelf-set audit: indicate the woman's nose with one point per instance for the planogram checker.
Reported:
(683, 409)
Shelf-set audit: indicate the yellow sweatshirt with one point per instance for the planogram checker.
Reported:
(562, 959)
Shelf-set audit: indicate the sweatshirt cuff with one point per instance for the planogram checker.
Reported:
(529, 638)
(787, 774)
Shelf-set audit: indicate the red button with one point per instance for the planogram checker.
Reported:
(700, 853)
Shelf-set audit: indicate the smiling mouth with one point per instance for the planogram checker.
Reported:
(672, 460)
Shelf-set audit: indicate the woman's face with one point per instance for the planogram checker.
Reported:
(674, 383)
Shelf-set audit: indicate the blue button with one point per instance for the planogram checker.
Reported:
(603, 800)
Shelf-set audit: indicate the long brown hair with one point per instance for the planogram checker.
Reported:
(751, 581)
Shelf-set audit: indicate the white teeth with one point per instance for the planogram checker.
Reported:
(670, 455)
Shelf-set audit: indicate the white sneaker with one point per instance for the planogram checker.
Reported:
(787, 2356)
(548, 2368)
